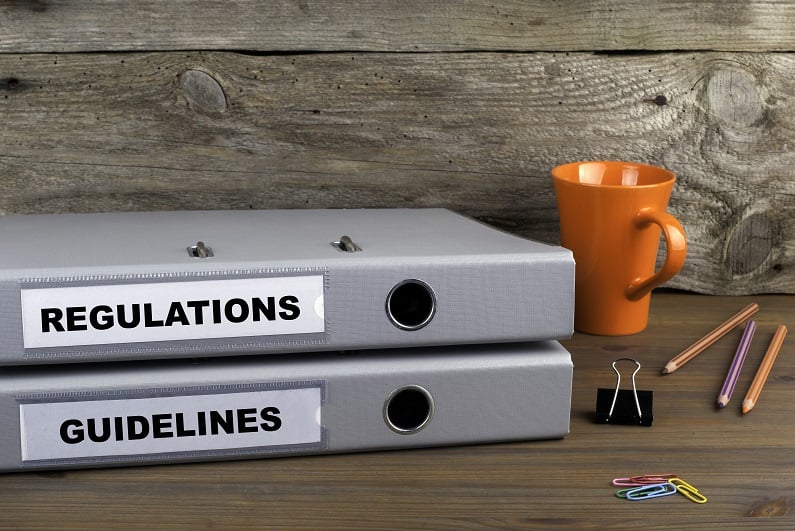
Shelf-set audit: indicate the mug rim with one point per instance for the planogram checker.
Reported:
(669, 176)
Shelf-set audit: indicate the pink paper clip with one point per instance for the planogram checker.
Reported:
(639, 481)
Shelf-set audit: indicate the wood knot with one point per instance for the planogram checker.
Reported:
(733, 96)
(204, 93)
(777, 507)
(11, 84)
(749, 244)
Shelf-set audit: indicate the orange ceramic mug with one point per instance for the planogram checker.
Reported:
(611, 214)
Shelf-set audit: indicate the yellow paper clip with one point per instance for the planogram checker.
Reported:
(687, 490)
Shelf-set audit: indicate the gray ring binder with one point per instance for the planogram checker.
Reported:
(341, 405)
(449, 291)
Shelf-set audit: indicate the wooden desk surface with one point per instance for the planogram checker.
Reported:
(745, 465)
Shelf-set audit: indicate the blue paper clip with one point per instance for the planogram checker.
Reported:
(647, 492)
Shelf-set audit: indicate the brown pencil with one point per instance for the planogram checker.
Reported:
(764, 369)
(696, 348)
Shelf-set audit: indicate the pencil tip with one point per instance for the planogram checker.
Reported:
(721, 405)
(747, 406)
(669, 368)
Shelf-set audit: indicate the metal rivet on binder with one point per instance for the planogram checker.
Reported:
(199, 250)
(624, 406)
(345, 244)
(408, 409)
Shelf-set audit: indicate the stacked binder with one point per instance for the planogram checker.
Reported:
(185, 336)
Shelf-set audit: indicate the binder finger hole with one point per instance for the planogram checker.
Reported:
(411, 304)
(408, 409)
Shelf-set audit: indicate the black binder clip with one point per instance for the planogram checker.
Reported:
(625, 406)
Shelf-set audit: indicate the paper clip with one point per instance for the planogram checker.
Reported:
(626, 407)
(622, 493)
(638, 481)
(646, 492)
(687, 490)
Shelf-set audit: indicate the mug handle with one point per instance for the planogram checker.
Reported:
(675, 251)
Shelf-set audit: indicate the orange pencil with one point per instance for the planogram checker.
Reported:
(764, 369)
(696, 348)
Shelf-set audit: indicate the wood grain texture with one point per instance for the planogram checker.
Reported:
(743, 464)
(370, 25)
(476, 132)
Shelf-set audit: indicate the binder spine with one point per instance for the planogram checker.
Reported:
(178, 411)
(372, 304)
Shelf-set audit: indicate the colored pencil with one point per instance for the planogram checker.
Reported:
(764, 369)
(696, 348)
(737, 364)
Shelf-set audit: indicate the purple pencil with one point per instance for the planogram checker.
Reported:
(737, 364)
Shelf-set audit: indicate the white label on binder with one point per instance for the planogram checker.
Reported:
(168, 311)
(170, 424)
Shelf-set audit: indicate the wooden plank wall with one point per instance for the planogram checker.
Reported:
(188, 104)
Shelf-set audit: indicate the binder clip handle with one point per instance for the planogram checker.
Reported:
(624, 406)
(618, 385)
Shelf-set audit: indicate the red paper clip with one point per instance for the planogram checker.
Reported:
(639, 481)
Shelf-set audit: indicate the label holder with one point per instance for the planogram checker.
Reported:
(128, 349)
(174, 392)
